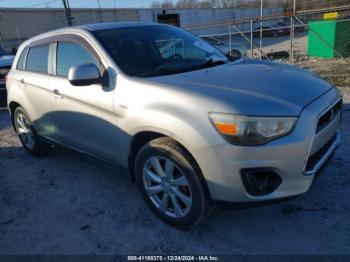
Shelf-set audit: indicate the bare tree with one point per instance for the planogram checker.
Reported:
(168, 4)
(286, 4)
(164, 4)
(155, 4)
(187, 4)
(205, 4)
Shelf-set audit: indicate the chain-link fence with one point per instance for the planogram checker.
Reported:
(313, 34)
(317, 39)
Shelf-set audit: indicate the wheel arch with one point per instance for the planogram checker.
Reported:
(143, 137)
(12, 107)
(139, 140)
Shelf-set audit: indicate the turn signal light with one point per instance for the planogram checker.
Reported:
(226, 128)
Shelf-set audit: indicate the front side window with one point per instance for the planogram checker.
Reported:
(37, 59)
(71, 54)
(146, 51)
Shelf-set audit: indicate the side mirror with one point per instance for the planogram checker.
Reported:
(84, 75)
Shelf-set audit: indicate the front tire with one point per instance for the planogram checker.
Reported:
(170, 183)
(27, 135)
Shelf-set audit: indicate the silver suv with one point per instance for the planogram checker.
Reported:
(191, 127)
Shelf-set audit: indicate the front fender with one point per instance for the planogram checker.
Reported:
(162, 123)
(193, 139)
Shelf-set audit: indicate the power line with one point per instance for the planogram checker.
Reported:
(44, 3)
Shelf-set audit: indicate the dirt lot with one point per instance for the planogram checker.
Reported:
(67, 204)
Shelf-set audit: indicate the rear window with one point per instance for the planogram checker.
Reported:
(37, 59)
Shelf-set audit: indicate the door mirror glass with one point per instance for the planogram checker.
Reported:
(84, 75)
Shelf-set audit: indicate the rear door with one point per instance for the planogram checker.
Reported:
(84, 116)
(32, 78)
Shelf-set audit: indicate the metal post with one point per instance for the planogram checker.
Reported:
(247, 39)
(230, 39)
(291, 56)
(251, 39)
(18, 37)
(292, 33)
(2, 42)
(261, 29)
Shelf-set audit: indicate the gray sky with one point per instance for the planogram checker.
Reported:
(75, 3)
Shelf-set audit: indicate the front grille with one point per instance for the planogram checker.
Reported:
(328, 117)
(3, 71)
(316, 157)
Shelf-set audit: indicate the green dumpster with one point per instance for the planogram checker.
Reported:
(329, 39)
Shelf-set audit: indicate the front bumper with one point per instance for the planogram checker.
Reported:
(288, 157)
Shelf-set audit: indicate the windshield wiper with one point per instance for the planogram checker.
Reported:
(212, 63)
(165, 70)
(209, 63)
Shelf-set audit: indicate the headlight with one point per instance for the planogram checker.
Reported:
(247, 130)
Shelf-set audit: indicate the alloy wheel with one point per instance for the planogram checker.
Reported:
(25, 131)
(167, 186)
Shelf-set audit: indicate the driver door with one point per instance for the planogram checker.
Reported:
(83, 116)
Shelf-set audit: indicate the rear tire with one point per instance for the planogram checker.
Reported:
(171, 183)
(27, 134)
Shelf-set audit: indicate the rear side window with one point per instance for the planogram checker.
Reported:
(37, 59)
(71, 54)
(21, 61)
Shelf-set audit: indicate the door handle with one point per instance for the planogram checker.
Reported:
(22, 83)
(57, 93)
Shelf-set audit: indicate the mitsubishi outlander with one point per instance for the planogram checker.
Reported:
(192, 127)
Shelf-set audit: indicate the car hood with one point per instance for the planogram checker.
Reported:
(6, 60)
(252, 87)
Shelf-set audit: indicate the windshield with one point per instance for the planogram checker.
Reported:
(213, 41)
(3, 52)
(146, 51)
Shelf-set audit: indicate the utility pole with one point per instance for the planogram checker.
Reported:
(68, 13)
(99, 11)
(261, 27)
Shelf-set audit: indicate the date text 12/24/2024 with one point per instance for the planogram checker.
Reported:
(173, 258)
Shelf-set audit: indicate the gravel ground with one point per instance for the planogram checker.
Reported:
(67, 204)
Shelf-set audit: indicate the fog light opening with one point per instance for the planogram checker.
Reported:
(260, 181)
